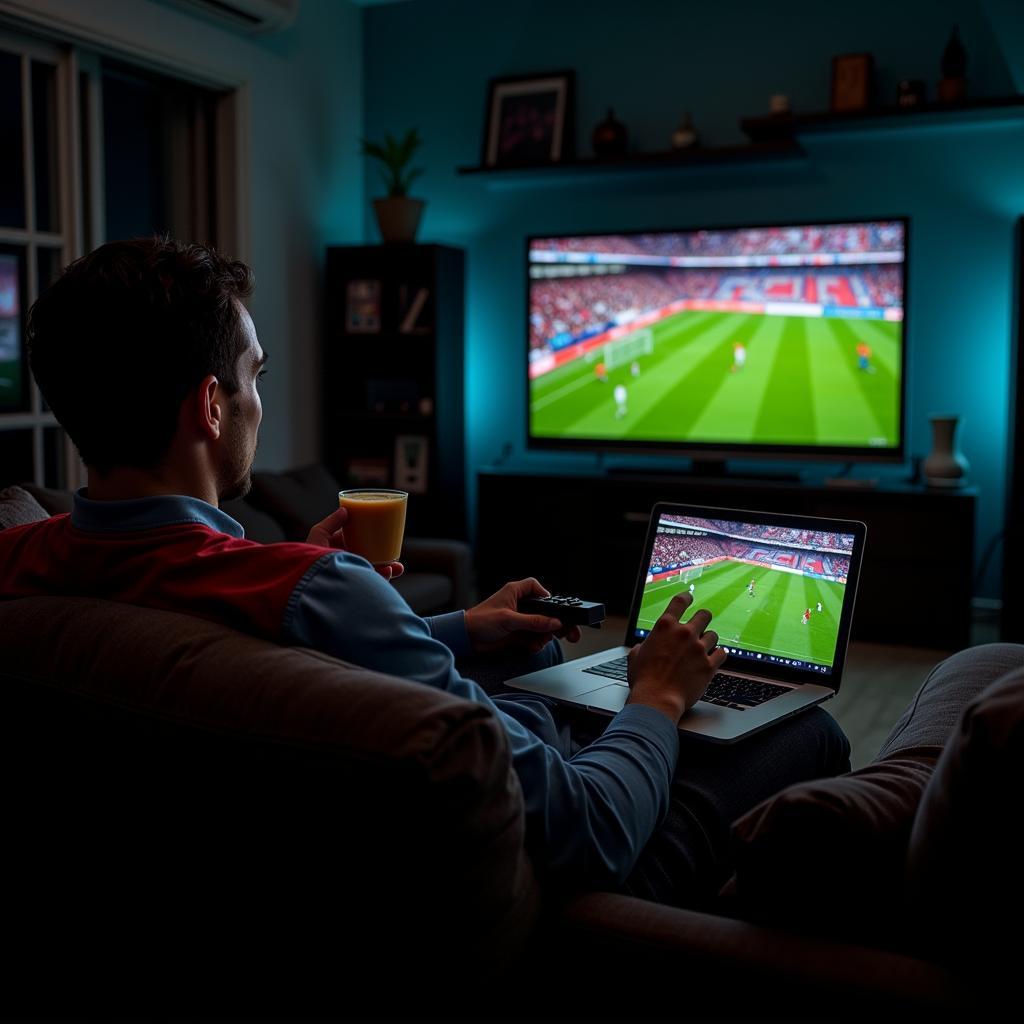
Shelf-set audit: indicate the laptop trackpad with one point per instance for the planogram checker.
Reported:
(606, 698)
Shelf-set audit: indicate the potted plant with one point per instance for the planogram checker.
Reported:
(398, 215)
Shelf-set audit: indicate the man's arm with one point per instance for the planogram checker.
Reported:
(588, 815)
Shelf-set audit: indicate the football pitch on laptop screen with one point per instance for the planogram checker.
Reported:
(774, 591)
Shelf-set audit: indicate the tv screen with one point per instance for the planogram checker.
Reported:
(755, 341)
(776, 593)
(10, 331)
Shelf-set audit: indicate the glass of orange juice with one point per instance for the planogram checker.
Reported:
(376, 522)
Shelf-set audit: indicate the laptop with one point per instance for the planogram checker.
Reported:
(781, 589)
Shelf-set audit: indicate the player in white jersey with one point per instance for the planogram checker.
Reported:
(620, 400)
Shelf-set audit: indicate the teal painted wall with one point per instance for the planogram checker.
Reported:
(427, 63)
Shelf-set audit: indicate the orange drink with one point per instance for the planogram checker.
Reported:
(375, 524)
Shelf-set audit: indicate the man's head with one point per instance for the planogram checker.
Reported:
(144, 351)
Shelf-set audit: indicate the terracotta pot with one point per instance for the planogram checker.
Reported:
(398, 218)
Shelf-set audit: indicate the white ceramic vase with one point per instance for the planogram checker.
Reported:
(945, 466)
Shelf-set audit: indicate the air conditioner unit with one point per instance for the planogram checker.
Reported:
(248, 16)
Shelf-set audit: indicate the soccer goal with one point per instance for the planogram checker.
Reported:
(622, 351)
(693, 573)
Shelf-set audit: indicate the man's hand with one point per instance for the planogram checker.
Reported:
(495, 625)
(671, 669)
(329, 533)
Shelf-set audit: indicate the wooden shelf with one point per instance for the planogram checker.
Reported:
(990, 109)
(698, 156)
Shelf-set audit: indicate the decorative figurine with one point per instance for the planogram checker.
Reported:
(685, 135)
(610, 137)
(953, 84)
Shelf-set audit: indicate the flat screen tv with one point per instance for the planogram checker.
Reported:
(773, 341)
(11, 301)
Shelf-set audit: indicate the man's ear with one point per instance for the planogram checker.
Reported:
(210, 410)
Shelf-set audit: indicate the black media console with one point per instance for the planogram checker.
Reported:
(582, 534)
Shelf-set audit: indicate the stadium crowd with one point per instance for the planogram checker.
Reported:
(670, 550)
(884, 236)
(565, 309)
(817, 539)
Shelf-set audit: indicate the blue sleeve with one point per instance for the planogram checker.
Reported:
(588, 815)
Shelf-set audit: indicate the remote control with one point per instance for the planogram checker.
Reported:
(570, 610)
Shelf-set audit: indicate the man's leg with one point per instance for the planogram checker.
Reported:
(687, 860)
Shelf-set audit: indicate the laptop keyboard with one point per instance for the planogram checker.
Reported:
(725, 690)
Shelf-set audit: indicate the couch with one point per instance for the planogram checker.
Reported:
(202, 823)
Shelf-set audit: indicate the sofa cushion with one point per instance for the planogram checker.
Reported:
(245, 814)
(258, 525)
(425, 589)
(54, 500)
(852, 831)
(297, 498)
(964, 883)
(19, 508)
(855, 828)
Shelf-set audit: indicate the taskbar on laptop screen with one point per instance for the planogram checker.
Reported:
(776, 593)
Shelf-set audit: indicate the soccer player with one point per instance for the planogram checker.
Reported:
(806, 616)
(739, 356)
(620, 400)
(750, 588)
(601, 373)
(864, 357)
(634, 368)
(819, 606)
(692, 588)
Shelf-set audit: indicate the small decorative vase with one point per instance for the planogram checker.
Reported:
(953, 84)
(685, 135)
(398, 218)
(610, 137)
(944, 466)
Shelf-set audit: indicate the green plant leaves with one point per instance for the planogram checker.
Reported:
(394, 157)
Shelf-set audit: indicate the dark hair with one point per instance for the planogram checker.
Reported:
(124, 334)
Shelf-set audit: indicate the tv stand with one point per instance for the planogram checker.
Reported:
(710, 469)
(582, 533)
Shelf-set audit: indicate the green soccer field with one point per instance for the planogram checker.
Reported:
(769, 621)
(687, 389)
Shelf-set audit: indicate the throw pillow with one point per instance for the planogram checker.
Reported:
(964, 882)
(828, 855)
(18, 508)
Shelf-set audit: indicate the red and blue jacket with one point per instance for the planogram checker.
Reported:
(589, 812)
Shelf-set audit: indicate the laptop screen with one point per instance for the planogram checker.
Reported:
(776, 592)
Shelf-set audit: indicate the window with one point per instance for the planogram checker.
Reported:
(100, 150)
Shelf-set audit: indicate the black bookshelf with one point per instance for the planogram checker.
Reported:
(393, 377)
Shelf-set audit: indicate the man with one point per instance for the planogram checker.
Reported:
(620, 400)
(864, 357)
(151, 363)
(806, 617)
(739, 356)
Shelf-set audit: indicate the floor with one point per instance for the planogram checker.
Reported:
(878, 682)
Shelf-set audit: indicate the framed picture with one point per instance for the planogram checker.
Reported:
(851, 81)
(529, 120)
(362, 307)
(411, 463)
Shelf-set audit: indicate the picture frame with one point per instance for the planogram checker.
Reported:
(529, 120)
(362, 307)
(852, 80)
(411, 463)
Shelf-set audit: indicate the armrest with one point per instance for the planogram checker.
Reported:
(451, 558)
(648, 941)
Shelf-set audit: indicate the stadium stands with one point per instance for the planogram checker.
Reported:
(566, 309)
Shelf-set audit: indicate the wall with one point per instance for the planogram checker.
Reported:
(428, 64)
(305, 178)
